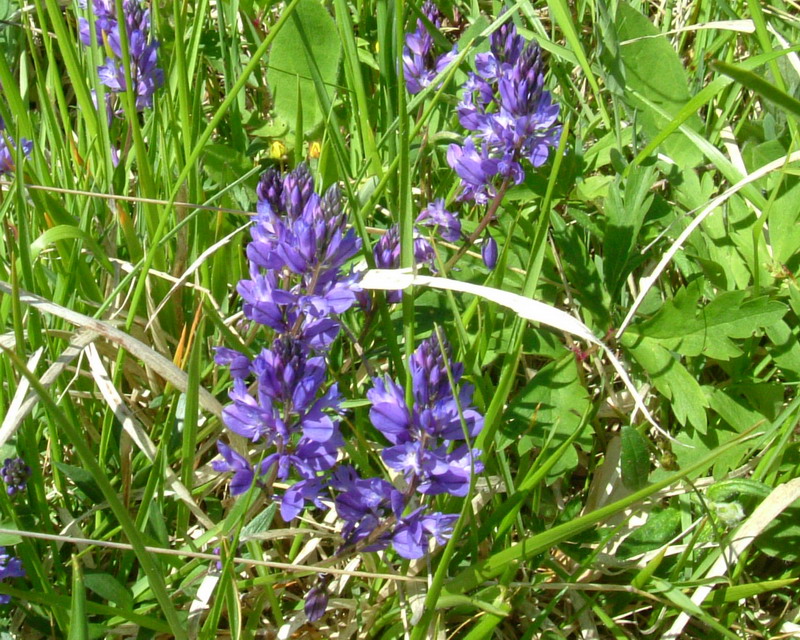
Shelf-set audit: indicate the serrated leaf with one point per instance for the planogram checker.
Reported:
(671, 379)
(653, 69)
(682, 326)
(289, 63)
(626, 207)
(635, 459)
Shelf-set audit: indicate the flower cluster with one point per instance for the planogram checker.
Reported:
(144, 72)
(423, 437)
(297, 287)
(10, 567)
(420, 63)
(8, 148)
(510, 114)
(15, 474)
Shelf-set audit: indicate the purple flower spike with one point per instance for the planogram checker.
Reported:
(509, 114)
(489, 252)
(15, 474)
(422, 436)
(146, 75)
(420, 63)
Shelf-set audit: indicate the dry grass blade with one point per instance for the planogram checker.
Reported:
(16, 414)
(158, 363)
(773, 505)
(533, 310)
(650, 280)
(137, 433)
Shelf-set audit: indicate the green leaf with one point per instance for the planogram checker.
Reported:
(78, 622)
(756, 83)
(652, 68)
(671, 379)
(83, 479)
(288, 63)
(660, 528)
(554, 402)
(625, 209)
(9, 539)
(781, 538)
(635, 459)
(690, 330)
(260, 523)
(109, 588)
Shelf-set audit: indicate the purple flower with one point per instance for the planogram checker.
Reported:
(8, 151)
(489, 252)
(238, 362)
(420, 63)
(243, 473)
(446, 223)
(300, 246)
(317, 597)
(411, 538)
(316, 603)
(510, 114)
(10, 567)
(15, 474)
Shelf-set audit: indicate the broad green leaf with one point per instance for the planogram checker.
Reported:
(289, 63)
(784, 228)
(660, 528)
(691, 330)
(652, 68)
(781, 538)
(635, 459)
(554, 400)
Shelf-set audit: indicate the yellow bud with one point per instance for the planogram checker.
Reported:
(314, 149)
(277, 150)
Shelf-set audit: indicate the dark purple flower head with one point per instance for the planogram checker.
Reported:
(421, 65)
(10, 567)
(317, 597)
(300, 246)
(316, 603)
(509, 112)
(489, 252)
(15, 474)
(8, 151)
